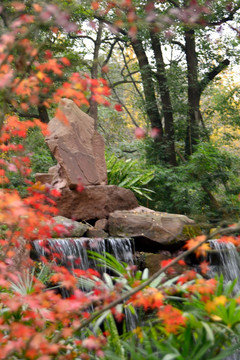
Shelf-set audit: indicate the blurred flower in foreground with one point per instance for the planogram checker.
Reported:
(140, 133)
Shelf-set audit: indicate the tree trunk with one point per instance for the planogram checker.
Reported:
(194, 93)
(166, 100)
(148, 87)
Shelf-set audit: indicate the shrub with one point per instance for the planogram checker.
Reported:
(207, 184)
(128, 174)
(41, 157)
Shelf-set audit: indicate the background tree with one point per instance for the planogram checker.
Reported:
(201, 63)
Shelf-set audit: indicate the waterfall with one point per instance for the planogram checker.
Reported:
(228, 265)
(72, 252)
(122, 249)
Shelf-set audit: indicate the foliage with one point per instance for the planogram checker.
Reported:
(198, 315)
(127, 173)
(35, 322)
(220, 107)
(207, 184)
(40, 155)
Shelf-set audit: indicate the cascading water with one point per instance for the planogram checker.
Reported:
(122, 249)
(228, 265)
(72, 253)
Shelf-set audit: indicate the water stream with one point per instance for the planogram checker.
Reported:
(72, 253)
(228, 265)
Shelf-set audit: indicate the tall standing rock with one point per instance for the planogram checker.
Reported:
(77, 146)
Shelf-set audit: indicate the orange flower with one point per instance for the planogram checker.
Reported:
(172, 318)
(202, 249)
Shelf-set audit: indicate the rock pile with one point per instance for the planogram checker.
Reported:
(79, 151)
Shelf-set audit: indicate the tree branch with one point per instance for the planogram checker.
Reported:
(212, 74)
(81, 37)
(4, 19)
(27, 115)
(130, 74)
(179, 44)
(224, 19)
(124, 82)
(22, 114)
(117, 28)
(123, 105)
(174, 3)
(110, 52)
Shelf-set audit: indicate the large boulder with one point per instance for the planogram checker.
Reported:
(77, 146)
(95, 202)
(160, 227)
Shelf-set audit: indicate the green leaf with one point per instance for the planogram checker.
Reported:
(210, 335)
(170, 357)
(145, 274)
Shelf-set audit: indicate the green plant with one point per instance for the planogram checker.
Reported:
(197, 345)
(41, 157)
(207, 184)
(41, 160)
(210, 331)
(128, 174)
(23, 285)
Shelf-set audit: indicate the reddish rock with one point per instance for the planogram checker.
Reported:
(47, 178)
(95, 202)
(53, 169)
(142, 222)
(21, 259)
(77, 146)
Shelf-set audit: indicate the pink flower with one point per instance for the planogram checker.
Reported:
(140, 133)
(155, 132)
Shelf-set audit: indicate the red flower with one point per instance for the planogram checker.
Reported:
(118, 107)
